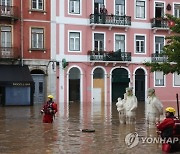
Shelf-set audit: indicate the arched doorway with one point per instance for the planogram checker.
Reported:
(39, 85)
(140, 84)
(120, 81)
(98, 85)
(98, 90)
(74, 85)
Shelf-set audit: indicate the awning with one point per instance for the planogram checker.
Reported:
(15, 75)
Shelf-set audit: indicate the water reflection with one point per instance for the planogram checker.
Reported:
(22, 131)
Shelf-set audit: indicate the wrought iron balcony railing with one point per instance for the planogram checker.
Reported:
(8, 12)
(159, 23)
(109, 56)
(158, 57)
(110, 19)
(9, 53)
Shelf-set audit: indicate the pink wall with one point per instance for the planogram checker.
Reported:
(166, 93)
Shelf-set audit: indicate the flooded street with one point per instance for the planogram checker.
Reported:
(22, 132)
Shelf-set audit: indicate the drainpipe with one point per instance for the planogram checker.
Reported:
(21, 28)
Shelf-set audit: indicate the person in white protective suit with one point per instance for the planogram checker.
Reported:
(130, 106)
(121, 110)
(154, 108)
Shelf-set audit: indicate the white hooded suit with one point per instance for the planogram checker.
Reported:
(130, 109)
(121, 110)
(154, 108)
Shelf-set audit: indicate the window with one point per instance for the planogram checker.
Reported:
(5, 2)
(37, 38)
(159, 78)
(176, 79)
(74, 41)
(120, 7)
(120, 42)
(38, 4)
(159, 9)
(6, 36)
(97, 5)
(140, 44)
(159, 44)
(140, 9)
(5, 7)
(74, 6)
(99, 42)
(177, 10)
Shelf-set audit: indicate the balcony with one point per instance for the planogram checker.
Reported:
(8, 12)
(9, 53)
(109, 21)
(158, 57)
(159, 24)
(105, 56)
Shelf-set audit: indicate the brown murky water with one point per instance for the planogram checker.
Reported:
(22, 132)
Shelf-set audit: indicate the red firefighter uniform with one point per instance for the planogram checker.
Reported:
(167, 130)
(49, 110)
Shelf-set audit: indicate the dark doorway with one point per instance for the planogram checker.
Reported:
(120, 82)
(74, 85)
(140, 84)
(159, 13)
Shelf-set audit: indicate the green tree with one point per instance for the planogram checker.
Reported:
(171, 50)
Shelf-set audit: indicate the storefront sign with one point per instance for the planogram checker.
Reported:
(21, 84)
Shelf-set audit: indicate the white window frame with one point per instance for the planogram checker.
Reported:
(38, 46)
(175, 73)
(124, 40)
(159, 2)
(174, 9)
(104, 39)
(80, 41)
(164, 80)
(145, 6)
(74, 13)
(37, 5)
(124, 7)
(144, 44)
(155, 41)
(6, 32)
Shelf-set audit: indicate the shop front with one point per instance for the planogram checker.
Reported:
(16, 85)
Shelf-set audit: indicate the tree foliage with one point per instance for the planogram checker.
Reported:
(171, 50)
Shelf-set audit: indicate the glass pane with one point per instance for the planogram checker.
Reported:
(159, 75)
(96, 45)
(99, 36)
(40, 41)
(71, 44)
(120, 2)
(176, 79)
(99, 1)
(34, 5)
(77, 44)
(40, 87)
(77, 7)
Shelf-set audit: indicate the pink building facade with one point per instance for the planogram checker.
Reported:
(105, 53)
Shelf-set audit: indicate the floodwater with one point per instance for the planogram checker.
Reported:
(22, 131)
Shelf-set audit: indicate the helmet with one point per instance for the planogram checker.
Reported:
(171, 110)
(50, 96)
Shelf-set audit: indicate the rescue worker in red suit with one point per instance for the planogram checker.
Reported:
(166, 130)
(49, 110)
